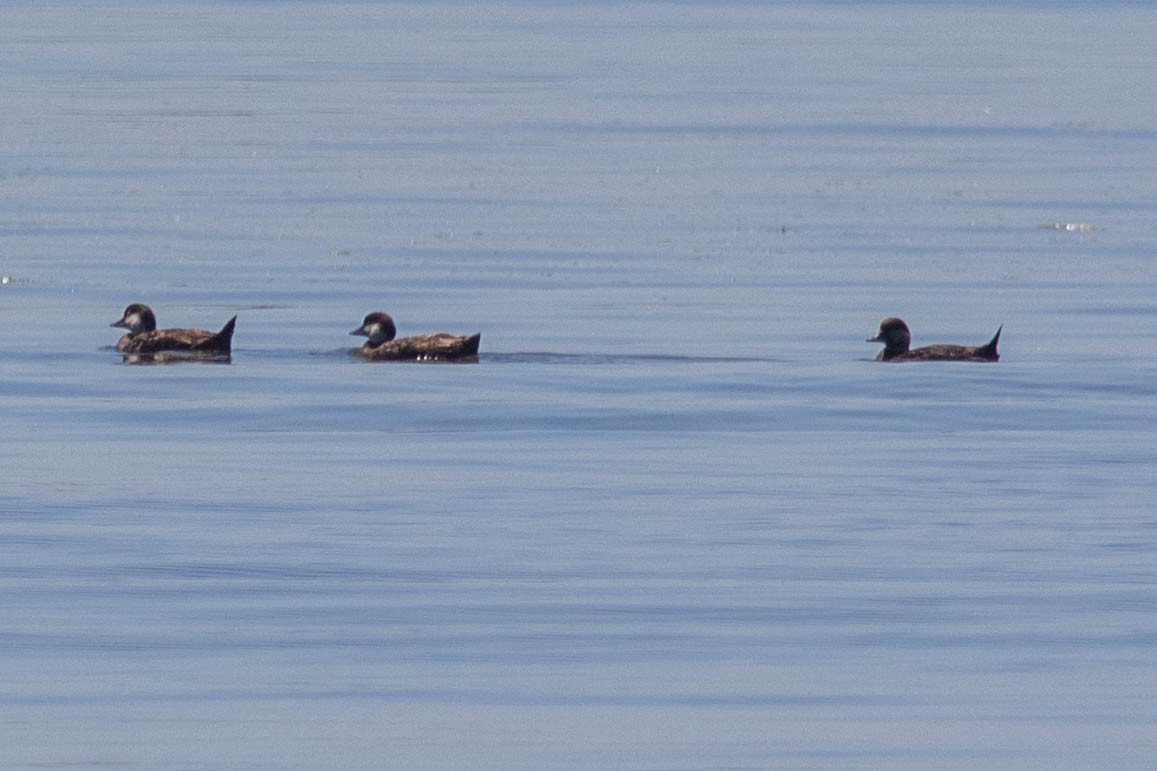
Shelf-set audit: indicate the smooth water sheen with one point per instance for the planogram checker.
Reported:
(675, 517)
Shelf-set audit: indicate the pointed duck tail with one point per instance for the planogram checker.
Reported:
(988, 350)
(222, 342)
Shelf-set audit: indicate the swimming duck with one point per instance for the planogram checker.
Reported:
(437, 346)
(896, 338)
(144, 338)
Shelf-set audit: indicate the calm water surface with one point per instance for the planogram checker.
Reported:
(674, 517)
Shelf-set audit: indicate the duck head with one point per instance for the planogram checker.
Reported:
(894, 335)
(378, 327)
(137, 318)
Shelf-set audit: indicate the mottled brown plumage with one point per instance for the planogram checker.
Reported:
(437, 346)
(896, 338)
(144, 338)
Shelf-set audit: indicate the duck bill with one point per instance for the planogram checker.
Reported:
(876, 339)
(122, 324)
(359, 331)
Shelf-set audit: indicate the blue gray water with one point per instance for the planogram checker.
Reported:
(675, 517)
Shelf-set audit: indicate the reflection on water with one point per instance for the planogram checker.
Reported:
(177, 357)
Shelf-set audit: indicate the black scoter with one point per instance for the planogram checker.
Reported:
(144, 338)
(896, 338)
(436, 346)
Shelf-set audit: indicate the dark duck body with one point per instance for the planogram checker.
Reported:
(437, 346)
(896, 338)
(144, 338)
